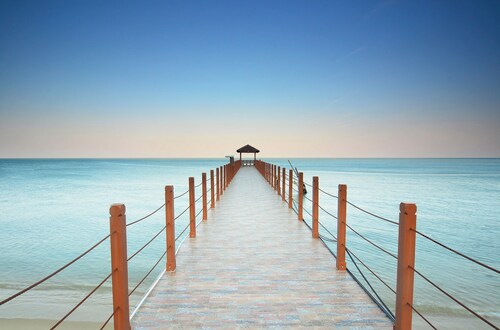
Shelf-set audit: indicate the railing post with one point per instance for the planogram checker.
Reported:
(170, 229)
(279, 180)
(221, 180)
(217, 183)
(276, 177)
(204, 194)
(341, 227)
(273, 183)
(192, 209)
(315, 207)
(300, 201)
(406, 263)
(119, 267)
(212, 199)
(283, 181)
(290, 189)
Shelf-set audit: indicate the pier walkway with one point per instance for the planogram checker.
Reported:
(254, 265)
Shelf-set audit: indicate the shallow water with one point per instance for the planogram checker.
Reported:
(51, 210)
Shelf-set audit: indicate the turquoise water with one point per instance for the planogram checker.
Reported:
(51, 210)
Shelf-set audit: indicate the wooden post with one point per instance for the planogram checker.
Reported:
(290, 189)
(204, 194)
(192, 209)
(406, 263)
(283, 180)
(300, 201)
(341, 228)
(221, 180)
(170, 229)
(279, 180)
(212, 199)
(218, 185)
(119, 267)
(275, 177)
(315, 207)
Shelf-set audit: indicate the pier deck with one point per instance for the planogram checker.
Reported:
(254, 265)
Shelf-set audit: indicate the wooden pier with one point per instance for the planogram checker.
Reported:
(254, 265)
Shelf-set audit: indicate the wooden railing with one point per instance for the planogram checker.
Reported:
(118, 233)
(276, 176)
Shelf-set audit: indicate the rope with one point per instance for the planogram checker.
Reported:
(371, 271)
(54, 273)
(187, 208)
(454, 299)
(456, 252)
(308, 199)
(181, 194)
(107, 321)
(333, 216)
(327, 230)
(428, 322)
(375, 245)
(327, 193)
(81, 302)
(198, 184)
(182, 232)
(197, 214)
(147, 216)
(372, 214)
(144, 278)
(144, 246)
(328, 239)
(367, 282)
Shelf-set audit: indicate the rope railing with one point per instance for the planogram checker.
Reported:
(458, 253)
(182, 232)
(55, 272)
(373, 214)
(372, 243)
(178, 196)
(376, 298)
(329, 232)
(145, 217)
(454, 299)
(327, 193)
(333, 216)
(327, 239)
(380, 301)
(145, 245)
(147, 274)
(374, 274)
(423, 317)
(185, 210)
(89, 294)
(81, 302)
(107, 321)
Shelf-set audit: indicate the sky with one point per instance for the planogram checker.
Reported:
(292, 78)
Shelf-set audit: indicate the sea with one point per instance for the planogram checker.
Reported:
(51, 210)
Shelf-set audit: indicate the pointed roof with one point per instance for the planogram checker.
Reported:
(248, 149)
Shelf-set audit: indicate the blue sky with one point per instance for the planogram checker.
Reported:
(293, 78)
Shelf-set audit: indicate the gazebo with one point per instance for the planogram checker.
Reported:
(248, 149)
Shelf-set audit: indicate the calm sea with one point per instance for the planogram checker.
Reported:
(52, 210)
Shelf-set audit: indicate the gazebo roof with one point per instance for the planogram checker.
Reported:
(248, 149)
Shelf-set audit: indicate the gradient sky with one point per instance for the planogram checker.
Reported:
(293, 78)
